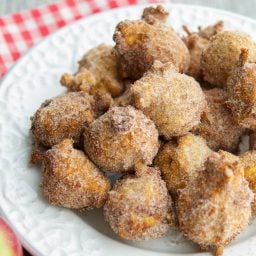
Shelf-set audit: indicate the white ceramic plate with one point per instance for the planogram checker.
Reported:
(51, 231)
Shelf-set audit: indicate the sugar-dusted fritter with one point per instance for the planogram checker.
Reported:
(37, 154)
(154, 15)
(139, 44)
(181, 163)
(63, 117)
(83, 80)
(120, 138)
(138, 205)
(102, 63)
(196, 43)
(213, 209)
(172, 100)
(71, 180)
(248, 159)
(241, 90)
(217, 125)
(125, 98)
(222, 53)
(97, 73)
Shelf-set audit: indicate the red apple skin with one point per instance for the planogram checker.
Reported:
(10, 238)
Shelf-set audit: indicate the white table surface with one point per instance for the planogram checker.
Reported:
(245, 7)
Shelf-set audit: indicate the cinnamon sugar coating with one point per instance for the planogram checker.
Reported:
(172, 100)
(196, 43)
(241, 90)
(154, 15)
(71, 180)
(217, 125)
(139, 44)
(62, 117)
(138, 205)
(97, 73)
(120, 138)
(213, 209)
(37, 154)
(248, 159)
(222, 53)
(127, 99)
(181, 163)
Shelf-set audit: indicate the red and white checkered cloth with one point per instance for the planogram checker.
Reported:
(20, 31)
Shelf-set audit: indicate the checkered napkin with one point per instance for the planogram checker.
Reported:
(20, 31)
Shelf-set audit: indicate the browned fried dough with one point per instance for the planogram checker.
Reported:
(97, 75)
(63, 117)
(71, 180)
(196, 43)
(120, 138)
(217, 125)
(139, 44)
(241, 90)
(155, 15)
(222, 53)
(181, 163)
(172, 100)
(138, 205)
(213, 209)
(248, 159)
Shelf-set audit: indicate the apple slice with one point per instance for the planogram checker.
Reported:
(9, 244)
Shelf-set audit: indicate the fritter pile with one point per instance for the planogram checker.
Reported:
(150, 112)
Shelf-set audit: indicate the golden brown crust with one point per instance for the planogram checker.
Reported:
(144, 86)
(124, 100)
(196, 43)
(154, 15)
(138, 205)
(241, 91)
(71, 180)
(222, 54)
(248, 159)
(210, 31)
(182, 163)
(139, 44)
(217, 125)
(120, 138)
(84, 80)
(102, 63)
(213, 209)
(172, 100)
(37, 154)
(98, 76)
(62, 117)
